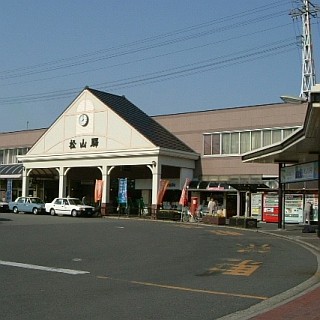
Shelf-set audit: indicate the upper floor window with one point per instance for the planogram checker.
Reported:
(9, 156)
(239, 142)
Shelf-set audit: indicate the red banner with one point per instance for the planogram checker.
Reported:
(98, 190)
(162, 189)
(184, 193)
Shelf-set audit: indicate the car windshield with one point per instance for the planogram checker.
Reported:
(75, 201)
(36, 200)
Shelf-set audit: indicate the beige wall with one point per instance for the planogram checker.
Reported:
(189, 127)
(20, 139)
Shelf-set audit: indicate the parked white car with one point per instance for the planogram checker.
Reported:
(69, 206)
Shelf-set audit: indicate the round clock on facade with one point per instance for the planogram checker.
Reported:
(83, 120)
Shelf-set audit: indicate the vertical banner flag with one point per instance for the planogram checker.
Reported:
(184, 193)
(122, 193)
(98, 190)
(162, 189)
(9, 190)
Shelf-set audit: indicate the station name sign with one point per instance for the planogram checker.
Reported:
(300, 172)
(93, 143)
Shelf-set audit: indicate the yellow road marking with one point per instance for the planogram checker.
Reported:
(226, 233)
(254, 248)
(244, 268)
(188, 226)
(150, 284)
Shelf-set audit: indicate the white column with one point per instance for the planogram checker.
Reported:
(62, 182)
(156, 175)
(247, 214)
(25, 182)
(224, 205)
(238, 203)
(106, 185)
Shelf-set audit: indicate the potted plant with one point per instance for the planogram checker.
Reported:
(243, 222)
(214, 219)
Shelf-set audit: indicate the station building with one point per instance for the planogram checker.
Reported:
(105, 137)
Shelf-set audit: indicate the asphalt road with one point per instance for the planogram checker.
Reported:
(109, 268)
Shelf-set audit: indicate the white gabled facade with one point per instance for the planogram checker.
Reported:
(91, 134)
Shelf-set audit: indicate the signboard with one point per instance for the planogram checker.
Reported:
(98, 190)
(184, 193)
(162, 189)
(122, 193)
(301, 172)
(9, 190)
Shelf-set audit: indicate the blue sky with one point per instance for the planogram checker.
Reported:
(165, 56)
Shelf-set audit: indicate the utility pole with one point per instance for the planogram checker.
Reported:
(305, 12)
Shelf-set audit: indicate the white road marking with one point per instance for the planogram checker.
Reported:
(42, 268)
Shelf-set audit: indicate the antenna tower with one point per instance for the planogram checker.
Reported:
(306, 11)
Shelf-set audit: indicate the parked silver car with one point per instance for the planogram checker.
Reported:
(27, 204)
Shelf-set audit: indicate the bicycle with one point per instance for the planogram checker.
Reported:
(186, 216)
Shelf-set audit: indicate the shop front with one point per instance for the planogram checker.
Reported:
(298, 158)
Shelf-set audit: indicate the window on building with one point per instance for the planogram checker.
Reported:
(226, 143)
(235, 143)
(8, 156)
(215, 144)
(12, 156)
(266, 138)
(207, 144)
(239, 142)
(255, 140)
(286, 132)
(245, 142)
(276, 135)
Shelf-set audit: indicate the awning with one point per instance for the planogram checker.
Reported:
(301, 147)
(11, 171)
(252, 187)
(210, 186)
(215, 186)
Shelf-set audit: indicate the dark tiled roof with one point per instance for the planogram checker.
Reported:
(147, 126)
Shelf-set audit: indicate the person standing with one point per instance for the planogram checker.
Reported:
(141, 206)
(308, 212)
(212, 206)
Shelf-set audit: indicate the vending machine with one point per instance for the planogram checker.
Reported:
(293, 208)
(270, 207)
(256, 206)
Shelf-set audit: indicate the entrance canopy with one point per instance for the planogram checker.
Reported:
(302, 146)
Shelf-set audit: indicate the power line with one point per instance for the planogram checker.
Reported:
(91, 57)
(181, 35)
(121, 64)
(225, 61)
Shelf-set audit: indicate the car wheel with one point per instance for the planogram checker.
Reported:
(52, 212)
(74, 213)
(15, 210)
(35, 210)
